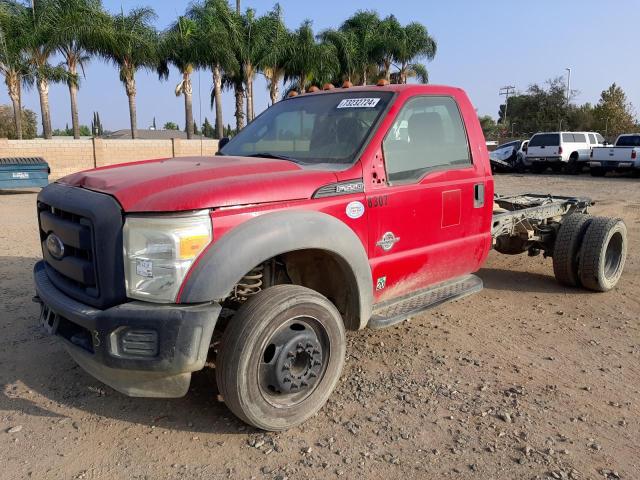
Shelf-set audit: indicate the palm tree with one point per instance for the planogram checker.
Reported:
(346, 48)
(309, 62)
(275, 46)
(179, 47)
(217, 33)
(132, 44)
(414, 42)
(37, 34)
(364, 29)
(78, 29)
(13, 65)
(390, 30)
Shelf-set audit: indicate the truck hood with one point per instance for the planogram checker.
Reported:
(192, 183)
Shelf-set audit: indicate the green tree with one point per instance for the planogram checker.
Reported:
(77, 29)
(171, 126)
(8, 125)
(179, 47)
(614, 113)
(490, 128)
(207, 130)
(96, 125)
(131, 44)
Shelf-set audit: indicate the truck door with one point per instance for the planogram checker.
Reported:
(426, 220)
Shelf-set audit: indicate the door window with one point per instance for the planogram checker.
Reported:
(592, 139)
(427, 135)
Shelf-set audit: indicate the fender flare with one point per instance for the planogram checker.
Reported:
(266, 236)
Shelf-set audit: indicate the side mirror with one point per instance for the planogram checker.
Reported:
(223, 141)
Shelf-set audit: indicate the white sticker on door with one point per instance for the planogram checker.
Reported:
(358, 103)
(355, 209)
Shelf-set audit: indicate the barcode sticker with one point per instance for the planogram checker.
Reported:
(358, 103)
(144, 268)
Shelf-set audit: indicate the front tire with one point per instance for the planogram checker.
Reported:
(281, 357)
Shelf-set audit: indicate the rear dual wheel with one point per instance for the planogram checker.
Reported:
(590, 252)
(281, 357)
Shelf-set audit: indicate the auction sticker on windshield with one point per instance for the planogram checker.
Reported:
(358, 103)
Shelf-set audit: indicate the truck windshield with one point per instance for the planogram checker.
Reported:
(545, 140)
(325, 128)
(629, 141)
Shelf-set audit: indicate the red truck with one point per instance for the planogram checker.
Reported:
(338, 210)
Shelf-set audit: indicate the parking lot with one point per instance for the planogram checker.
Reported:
(524, 380)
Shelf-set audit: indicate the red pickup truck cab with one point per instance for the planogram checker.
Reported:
(331, 211)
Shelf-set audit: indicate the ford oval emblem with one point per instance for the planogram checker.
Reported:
(55, 246)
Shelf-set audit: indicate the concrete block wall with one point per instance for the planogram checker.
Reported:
(66, 156)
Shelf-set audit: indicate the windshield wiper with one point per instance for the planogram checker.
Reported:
(272, 155)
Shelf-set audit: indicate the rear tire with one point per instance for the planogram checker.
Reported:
(281, 357)
(597, 172)
(573, 167)
(566, 249)
(604, 251)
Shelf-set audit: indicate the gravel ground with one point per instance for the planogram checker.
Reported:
(525, 380)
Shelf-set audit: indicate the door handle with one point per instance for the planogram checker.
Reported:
(478, 195)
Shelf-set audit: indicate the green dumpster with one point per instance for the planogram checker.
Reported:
(23, 172)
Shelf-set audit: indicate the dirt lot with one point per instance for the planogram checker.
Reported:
(524, 380)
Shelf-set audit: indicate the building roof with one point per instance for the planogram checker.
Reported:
(125, 134)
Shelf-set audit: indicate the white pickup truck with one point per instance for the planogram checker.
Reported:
(624, 155)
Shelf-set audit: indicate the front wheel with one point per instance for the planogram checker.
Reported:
(281, 357)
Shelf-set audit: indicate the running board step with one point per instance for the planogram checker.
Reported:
(394, 311)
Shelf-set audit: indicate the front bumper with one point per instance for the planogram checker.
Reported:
(138, 348)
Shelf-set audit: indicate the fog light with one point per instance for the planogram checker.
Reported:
(134, 342)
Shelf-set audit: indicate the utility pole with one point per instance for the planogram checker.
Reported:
(568, 84)
(506, 91)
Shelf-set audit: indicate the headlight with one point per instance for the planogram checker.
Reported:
(158, 252)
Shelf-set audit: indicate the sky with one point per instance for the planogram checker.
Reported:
(482, 46)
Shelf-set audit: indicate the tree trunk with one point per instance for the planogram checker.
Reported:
(13, 83)
(387, 70)
(73, 94)
(274, 89)
(249, 89)
(364, 76)
(43, 91)
(188, 104)
(130, 86)
(217, 95)
(403, 73)
(239, 104)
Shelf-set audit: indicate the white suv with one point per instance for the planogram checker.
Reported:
(560, 150)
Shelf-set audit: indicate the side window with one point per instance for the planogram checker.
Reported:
(600, 138)
(567, 138)
(428, 134)
(592, 139)
(579, 138)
